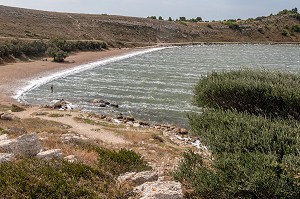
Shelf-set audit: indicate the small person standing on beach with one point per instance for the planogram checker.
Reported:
(51, 88)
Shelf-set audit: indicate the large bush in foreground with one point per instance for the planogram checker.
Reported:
(253, 155)
(255, 91)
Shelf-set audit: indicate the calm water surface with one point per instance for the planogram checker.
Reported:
(158, 86)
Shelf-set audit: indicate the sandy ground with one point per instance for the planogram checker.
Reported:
(15, 75)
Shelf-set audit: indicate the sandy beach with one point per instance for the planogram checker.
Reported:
(16, 75)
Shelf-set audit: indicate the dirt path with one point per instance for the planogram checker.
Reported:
(87, 130)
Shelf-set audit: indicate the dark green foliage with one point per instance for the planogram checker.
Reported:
(58, 54)
(17, 48)
(240, 175)
(254, 155)
(295, 28)
(230, 132)
(254, 91)
(285, 33)
(231, 23)
(117, 162)
(33, 48)
(182, 18)
(122, 161)
(151, 17)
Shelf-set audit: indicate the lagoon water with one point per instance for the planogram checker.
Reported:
(158, 86)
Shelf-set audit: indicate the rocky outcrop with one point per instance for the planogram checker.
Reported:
(3, 137)
(160, 190)
(138, 178)
(6, 157)
(102, 103)
(26, 145)
(6, 116)
(71, 158)
(50, 154)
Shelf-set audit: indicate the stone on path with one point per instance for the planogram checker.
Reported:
(50, 154)
(160, 190)
(139, 178)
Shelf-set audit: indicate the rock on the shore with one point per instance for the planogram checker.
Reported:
(50, 154)
(160, 190)
(95, 101)
(25, 145)
(139, 178)
(6, 157)
(6, 116)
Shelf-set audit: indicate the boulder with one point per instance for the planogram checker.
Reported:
(102, 105)
(160, 190)
(50, 154)
(71, 158)
(183, 131)
(136, 125)
(129, 119)
(95, 101)
(6, 157)
(114, 105)
(7, 146)
(7, 116)
(27, 145)
(139, 178)
(3, 137)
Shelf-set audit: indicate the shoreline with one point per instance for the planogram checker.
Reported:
(15, 77)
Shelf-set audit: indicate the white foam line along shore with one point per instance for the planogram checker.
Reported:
(34, 83)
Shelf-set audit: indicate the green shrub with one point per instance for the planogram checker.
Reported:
(239, 175)
(230, 131)
(254, 91)
(36, 178)
(253, 155)
(116, 162)
(50, 179)
(17, 47)
(232, 25)
(122, 161)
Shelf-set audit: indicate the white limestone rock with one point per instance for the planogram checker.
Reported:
(160, 190)
(50, 154)
(4, 157)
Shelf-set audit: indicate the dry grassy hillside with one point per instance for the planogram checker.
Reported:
(26, 23)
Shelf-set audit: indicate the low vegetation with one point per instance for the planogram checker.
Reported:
(35, 178)
(16, 108)
(253, 155)
(255, 91)
(56, 48)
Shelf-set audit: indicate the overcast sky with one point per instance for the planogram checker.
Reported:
(207, 9)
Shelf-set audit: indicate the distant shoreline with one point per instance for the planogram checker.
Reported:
(14, 76)
(224, 43)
